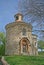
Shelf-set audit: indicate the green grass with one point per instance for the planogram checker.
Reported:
(25, 60)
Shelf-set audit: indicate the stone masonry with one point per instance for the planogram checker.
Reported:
(20, 40)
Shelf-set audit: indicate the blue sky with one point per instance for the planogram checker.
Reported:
(8, 8)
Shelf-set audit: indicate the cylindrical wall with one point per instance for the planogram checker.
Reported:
(14, 33)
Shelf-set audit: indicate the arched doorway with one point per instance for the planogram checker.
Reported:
(24, 46)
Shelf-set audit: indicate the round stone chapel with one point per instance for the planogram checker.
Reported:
(19, 38)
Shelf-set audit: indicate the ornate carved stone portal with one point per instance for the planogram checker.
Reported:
(24, 46)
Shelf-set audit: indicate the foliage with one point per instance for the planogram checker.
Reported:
(2, 49)
(25, 60)
(41, 44)
(2, 37)
(2, 43)
(41, 53)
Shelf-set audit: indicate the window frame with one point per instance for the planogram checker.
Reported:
(24, 32)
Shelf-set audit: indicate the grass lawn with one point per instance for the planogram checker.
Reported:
(25, 60)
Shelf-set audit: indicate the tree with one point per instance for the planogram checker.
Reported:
(41, 44)
(33, 10)
(2, 43)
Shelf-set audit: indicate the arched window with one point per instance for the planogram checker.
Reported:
(24, 31)
(17, 17)
(35, 44)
